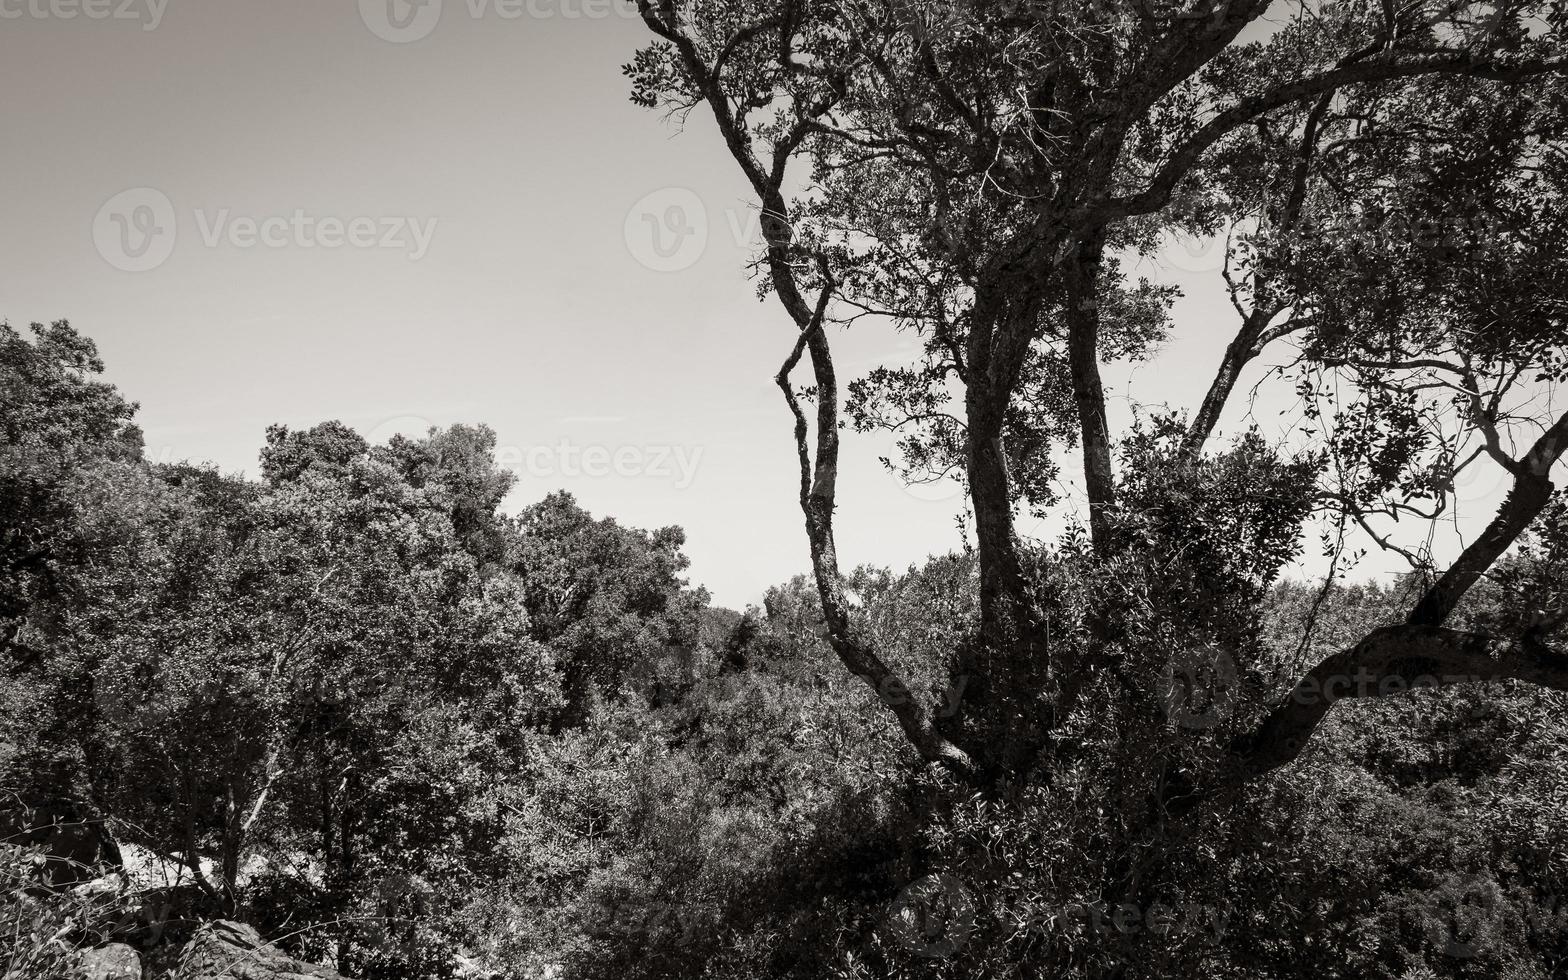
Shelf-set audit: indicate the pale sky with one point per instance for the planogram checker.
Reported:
(427, 220)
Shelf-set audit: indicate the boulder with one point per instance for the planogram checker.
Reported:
(115, 961)
(224, 950)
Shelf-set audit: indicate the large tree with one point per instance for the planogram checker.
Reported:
(1388, 180)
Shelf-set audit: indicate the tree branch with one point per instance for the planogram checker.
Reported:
(817, 503)
(1160, 189)
(1531, 492)
(1422, 652)
(1391, 661)
(1081, 276)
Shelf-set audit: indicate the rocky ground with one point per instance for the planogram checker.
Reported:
(74, 911)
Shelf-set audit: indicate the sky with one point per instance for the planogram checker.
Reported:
(403, 215)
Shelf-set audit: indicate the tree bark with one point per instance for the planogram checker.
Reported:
(818, 490)
(1003, 590)
(1081, 274)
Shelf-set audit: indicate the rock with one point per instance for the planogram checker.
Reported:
(115, 961)
(226, 950)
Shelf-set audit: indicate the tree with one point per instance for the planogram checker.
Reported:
(610, 601)
(978, 174)
(58, 424)
(312, 667)
(301, 692)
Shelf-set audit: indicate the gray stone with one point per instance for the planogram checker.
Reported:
(226, 950)
(115, 961)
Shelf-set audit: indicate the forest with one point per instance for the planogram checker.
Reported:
(363, 714)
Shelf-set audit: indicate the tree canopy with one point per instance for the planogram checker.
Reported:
(1389, 184)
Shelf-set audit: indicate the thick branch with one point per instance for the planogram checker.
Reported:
(1081, 276)
(1255, 334)
(1531, 492)
(1000, 330)
(818, 481)
(1392, 660)
(1238, 355)
(817, 501)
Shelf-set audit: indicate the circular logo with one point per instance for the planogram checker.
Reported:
(1192, 253)
(1473, 917)
(933, 916)
(400, 21)
(933, 491)
(135, 230)
(1198, 688)
(1481, 481)
(667, 231)
(655, 680)
(117, 700)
